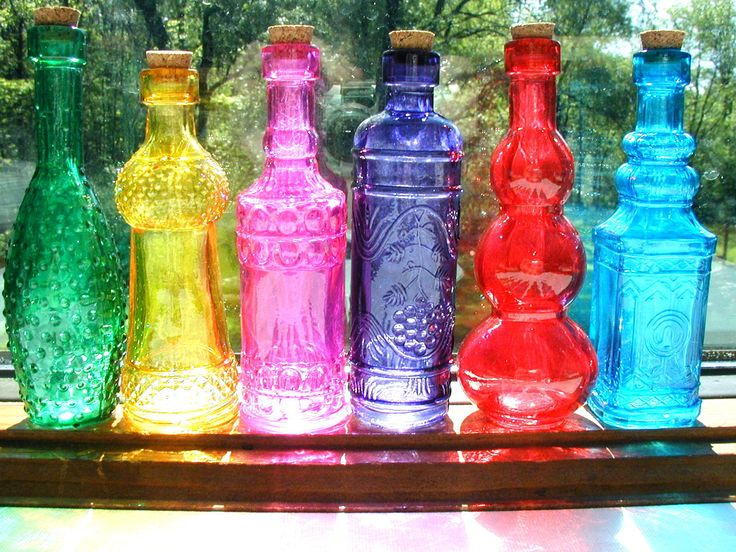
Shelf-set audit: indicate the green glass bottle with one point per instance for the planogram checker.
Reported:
(64, 301)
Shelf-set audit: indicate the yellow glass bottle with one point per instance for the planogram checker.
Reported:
(180, 374)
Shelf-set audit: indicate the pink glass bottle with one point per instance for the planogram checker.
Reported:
(528, 365)
(291, 245)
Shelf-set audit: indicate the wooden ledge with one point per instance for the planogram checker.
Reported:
(474, 466)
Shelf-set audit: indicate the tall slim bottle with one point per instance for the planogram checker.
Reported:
(652, 259)
(406, 206)
(528, 365)
(291, 246)
(64, 298)
(179, 373)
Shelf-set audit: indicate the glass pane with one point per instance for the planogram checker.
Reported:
(596, 104)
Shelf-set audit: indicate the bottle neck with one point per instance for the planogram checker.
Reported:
(533, 101)
(58, 107)
(660, 109)
(169, 125)
(290, 131)
(412, 99)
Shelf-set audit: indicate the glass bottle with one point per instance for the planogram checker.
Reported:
(355, 105)
(179, 373)
(652, 260)
(528, 365)
(406, 202)
(291, 246)
(64, 298)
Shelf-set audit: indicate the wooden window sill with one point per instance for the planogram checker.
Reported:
(470, 465)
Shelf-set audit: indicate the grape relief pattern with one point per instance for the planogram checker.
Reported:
(412, 260)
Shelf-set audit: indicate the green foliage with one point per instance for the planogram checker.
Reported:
(710, 114)
(589, 17)
(16, 16)
(596, 96)
(16, 116)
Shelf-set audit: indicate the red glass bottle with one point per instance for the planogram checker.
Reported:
(528, 365)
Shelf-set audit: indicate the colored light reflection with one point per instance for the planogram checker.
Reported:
(478, 423)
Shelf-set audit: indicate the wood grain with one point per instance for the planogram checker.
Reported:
(41, 439)
(111, 467)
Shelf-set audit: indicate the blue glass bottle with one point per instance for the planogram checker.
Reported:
(652, 263)
(406, 202)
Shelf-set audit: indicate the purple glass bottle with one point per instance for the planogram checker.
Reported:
(404, 247)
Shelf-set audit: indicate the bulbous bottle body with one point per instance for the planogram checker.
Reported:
(652, 264)
(291, 245)
(528, 365)
(406, 202)
(64, 294)
(179, 373)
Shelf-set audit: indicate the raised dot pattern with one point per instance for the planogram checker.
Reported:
(189, 191)
(307, 234)
(65, 306)
(180, 373)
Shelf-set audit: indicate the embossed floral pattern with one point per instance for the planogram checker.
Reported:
(404, 251)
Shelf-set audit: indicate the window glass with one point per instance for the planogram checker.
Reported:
(596, 104)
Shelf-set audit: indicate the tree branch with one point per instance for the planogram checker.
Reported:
(154, 22)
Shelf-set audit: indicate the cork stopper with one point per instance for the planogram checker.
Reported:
(56, 15)
(169, 58)
(658, 39)
(290, 34)
(533, 30)
(411, 39)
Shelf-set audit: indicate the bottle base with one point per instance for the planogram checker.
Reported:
(523, 423)
(527, 374)
(221, 418)
(399, 417)
(67, 418)
(330, 423)
(643, 418)
(199, 399)
(293, 398)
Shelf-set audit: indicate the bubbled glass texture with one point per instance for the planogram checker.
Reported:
(652, 264)
(291, 246)
(179, 373)
(64, 295)
(528, 365)
(406, 202)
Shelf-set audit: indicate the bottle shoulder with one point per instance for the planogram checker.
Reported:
(293, 205)
(532, 166)
(534, 152)
(250, 199)
(290, 219)
(291, 188)
(414, 132)
(544, 140)
(62, 236)
(61, 178)
(664, 146)
(65, 197)
(183, 189)
(662, 182)
(657, 230)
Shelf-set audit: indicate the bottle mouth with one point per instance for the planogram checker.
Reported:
(56, 44)
(662, 68)
(169, 86)
(290, 61)
(411, 67)
(532, 56)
